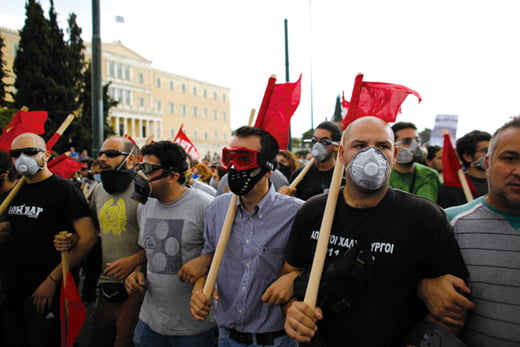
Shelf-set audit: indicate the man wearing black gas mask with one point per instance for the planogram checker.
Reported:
(408, 173)
(116, 214)
(325, 142)
(249, 294)
(471, 149)
(171, 224)
(382, 242)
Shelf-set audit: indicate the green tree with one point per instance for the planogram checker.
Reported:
(3, 74)
(79, 133)
(425, 135)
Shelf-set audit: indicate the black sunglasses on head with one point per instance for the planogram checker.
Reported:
(30, 151)
(112, 153)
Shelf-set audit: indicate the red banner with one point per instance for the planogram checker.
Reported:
(22, 122)
(182, 139)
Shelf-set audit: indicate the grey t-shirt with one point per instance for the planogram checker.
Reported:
(117, 218)
(172, 234)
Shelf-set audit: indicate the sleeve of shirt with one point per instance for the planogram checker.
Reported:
(429, 187)
(210, 232)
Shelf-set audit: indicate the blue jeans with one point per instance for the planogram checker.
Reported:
(225, 341)
(146, 337)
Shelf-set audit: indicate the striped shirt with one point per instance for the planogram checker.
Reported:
(253, 258)
(490, 246)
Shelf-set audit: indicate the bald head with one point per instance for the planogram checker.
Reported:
(28, 140)
(368, 121)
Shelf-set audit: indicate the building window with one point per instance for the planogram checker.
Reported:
(119, 71)
(121, 127)
(183, 110)
(141, 78)
(215, 94)
(224, 116)
(205, 135)
(215, 115)
(172, 108)
(205, 92)
(127, 72)
(225, 137)
(119, 95)
(111, 69)
(224, 97)
(215, 135)
(183, 87)
(158, 105)
(171, 85)
(195, 134)
(143, 131)
(158, 82)
(194, 90)
(195, 111)
(172, 132)
(127, 97)
(15, 47)
(141, 101)
(205, 113)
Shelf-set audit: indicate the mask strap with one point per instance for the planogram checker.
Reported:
(126, 159)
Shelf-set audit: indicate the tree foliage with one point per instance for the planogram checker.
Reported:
(3, 74)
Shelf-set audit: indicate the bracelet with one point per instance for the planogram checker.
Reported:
(52, 279)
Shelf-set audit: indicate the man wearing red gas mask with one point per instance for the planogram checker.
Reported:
(249, 291)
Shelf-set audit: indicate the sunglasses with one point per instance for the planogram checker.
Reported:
(30, 151)
(112, 153)
(324, 141)
(147, 168)
(242, 158)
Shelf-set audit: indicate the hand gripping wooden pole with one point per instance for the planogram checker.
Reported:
(311, 293)
(224, 237)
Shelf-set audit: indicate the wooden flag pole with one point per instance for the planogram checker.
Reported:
(311, 293)
(464, 183)
(302, 173)
(64, 272)
(224, 237)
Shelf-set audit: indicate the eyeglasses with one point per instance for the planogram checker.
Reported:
(148, 168)
(112, 153)
(324, 141)
(30, 151)
(242, 158)
(407, 141)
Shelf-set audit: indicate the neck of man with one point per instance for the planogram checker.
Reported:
(176, 190)
(358, 198)
(327, 164)
(404, 168)
(251, 199)
(475, 172)
(41, 175)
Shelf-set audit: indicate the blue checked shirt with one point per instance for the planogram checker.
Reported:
(253, 258)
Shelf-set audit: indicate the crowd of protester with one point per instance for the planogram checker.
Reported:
(143, 226)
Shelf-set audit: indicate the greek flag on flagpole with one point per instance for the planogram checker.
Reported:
(120, 19)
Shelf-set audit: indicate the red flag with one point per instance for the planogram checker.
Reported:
(72, 312)
(22, 122)
(130, 139)
(64, 166)
(451, 165)
(278, 105)
(378, 99)
(185, 142)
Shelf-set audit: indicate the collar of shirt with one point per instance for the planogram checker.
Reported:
(264, 204)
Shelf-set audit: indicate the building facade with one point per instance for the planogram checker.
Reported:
(154, 103)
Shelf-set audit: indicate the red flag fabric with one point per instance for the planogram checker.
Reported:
(22, 122)
(130, 139)
(64, 166)
(378, 99)
(182, 139)
(72, 312)
(277, 107)
(451, 165)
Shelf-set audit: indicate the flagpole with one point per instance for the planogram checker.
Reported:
(289, 146)
(302, 173)
(65, 271)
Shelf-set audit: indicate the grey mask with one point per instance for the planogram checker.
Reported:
(26, 165)
(319, 152)
(369, 169)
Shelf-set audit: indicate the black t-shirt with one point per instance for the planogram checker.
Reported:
(454, 196)
(315, 182)
(37, 213)
(410, 238)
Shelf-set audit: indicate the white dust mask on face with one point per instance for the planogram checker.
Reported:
(27, 165)
(369, 168)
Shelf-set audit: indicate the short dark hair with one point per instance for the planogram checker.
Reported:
(432, 150)
(335, 131)
(267, 141)
(169, 154)
(513, 123)
(467, 144)
(400, 126)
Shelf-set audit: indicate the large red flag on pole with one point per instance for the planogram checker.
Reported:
(182, 139)
(22, 122)
(278, 105)
(64, 166)
(378, 99)
(452, 173)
